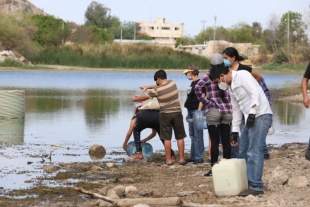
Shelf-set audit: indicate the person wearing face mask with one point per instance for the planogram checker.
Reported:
(232, 61)
(192, 104)
(248, 100)
(218, 113)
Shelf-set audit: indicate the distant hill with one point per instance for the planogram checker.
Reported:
(10, 6)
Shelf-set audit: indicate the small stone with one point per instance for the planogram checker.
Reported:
(130, 189)
(186, 193)
(179, 184)
(110, 164)
(96, 152)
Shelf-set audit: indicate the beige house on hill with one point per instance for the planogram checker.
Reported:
(162, 30)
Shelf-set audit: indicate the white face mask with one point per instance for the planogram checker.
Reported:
(222, 85)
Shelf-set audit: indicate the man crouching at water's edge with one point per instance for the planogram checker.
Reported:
(170, 115)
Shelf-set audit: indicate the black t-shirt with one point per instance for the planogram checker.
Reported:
(307, 72)
(244, 67)
(191, 100)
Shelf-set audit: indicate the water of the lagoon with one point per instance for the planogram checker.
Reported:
(77, 109)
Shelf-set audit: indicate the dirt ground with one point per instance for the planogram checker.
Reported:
(290, 187)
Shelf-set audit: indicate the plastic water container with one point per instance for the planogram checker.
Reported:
(147, 149)
(200, 120)
(229, 177)
(139, 92)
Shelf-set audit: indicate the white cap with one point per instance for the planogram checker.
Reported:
(216, 59)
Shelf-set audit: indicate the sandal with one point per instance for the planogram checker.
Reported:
(168, 164)
(183, 163)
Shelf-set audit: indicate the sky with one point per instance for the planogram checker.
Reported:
(190, 12)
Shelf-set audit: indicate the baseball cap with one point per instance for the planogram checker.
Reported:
(216, 59)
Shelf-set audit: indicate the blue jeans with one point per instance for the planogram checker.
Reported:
(235, 149)
(197, 144)
(251, 146)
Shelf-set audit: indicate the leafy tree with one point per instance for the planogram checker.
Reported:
(205, 35)
(129, 29)
(241, 33)
(291, 27)
(16, 32)
(99, 15)
(51, 31)
(102, 35)
(257, 30)
(186, 40)
(144, 37)
(271, 34)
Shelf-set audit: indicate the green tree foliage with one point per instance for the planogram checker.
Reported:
(143, 37)
(241, 33)
(186, 40)
(51, 31)
(102, 35)
(129, 30)
(292, 22)
(204, 35)
(99, 15)
(257, 30)
(16, 32)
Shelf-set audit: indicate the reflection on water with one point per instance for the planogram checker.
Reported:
(79, 109)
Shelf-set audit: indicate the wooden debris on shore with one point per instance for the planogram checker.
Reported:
(169, 201)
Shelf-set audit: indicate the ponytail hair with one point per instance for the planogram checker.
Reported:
(232, 52)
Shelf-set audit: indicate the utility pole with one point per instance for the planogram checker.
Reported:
(214, 33)
(134, 31)
(63, 26)
(203, 24)
(288, 32)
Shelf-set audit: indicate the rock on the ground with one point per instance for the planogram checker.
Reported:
(298, 181)
(96, 152)
(116, 192)
(130, 189)
(278, 176)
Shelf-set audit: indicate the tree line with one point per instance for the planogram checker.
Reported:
(286, 37)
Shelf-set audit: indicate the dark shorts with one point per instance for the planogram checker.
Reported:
(169, 122)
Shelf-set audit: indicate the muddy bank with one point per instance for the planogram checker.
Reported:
(286, 177)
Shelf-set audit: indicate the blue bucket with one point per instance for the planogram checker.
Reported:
(147, 149)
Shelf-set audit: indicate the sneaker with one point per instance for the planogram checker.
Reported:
(208, 162)
(138, 155)
(307, 155)
(209, 174)
(198, 161)
(251, 192)
(266, 156)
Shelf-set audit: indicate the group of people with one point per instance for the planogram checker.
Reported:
(236, 101)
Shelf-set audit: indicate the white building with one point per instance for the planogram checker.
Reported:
(162, 30)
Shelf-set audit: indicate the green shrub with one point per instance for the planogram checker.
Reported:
(8, 62)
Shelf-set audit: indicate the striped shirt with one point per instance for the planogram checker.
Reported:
(168, 97)
(213, 95)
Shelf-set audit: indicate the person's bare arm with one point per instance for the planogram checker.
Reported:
(153, 134)
(304, 87)
(256, 75)
(140, 98)
(129, 132)
(144, 88)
